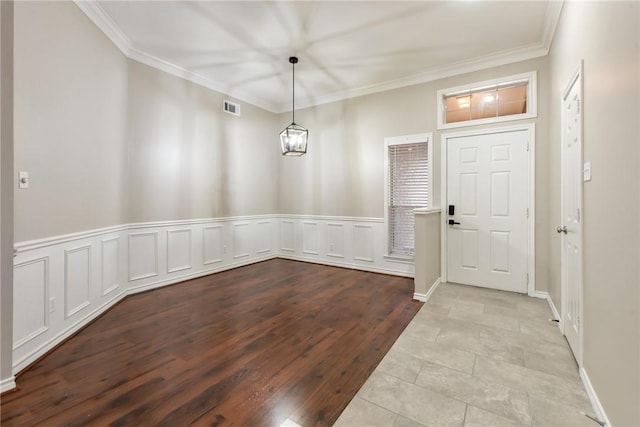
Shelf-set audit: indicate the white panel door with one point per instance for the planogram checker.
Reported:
(488, 187)
(571, 205)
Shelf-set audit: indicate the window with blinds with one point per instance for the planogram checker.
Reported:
(408, 188)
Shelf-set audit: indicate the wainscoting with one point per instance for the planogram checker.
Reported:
(62, 283)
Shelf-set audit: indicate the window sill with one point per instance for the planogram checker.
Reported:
(399, 258)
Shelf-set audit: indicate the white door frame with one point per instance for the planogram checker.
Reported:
(578, 74)
(531, 246)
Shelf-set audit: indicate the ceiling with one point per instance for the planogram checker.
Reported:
(346, 48)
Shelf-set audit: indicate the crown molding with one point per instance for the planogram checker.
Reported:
(177, 71)
(102, 20)
(552, 16)
(476, 64)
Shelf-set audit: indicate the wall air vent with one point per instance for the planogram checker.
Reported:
(231, 108)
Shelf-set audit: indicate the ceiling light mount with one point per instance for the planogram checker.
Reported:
(293, 139)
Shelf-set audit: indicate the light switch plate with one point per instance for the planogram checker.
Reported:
(23, 179)
(586, 172)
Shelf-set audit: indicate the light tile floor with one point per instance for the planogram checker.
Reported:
(474, 357)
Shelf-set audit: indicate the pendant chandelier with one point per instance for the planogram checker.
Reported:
(293, 139)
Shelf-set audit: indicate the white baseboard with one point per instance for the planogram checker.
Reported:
(593, 397)
(425, 297)
(433, 288)
(172, 281)
(65, 334)
(47, 346)
(8, 384)
(552, 306)
(361, 267)
(420, 297)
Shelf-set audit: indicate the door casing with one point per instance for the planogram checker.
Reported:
(530, 128)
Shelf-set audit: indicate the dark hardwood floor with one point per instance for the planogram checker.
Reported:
(251, 346)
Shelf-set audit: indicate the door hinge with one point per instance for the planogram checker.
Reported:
(527, 278)
(527, 213)
(528, 142)
(578, 214)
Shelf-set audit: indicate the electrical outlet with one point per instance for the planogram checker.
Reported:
(224, 249)
(52, 305)
(331, 247)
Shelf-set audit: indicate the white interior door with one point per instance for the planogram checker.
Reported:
(488, 187)
(571, 207)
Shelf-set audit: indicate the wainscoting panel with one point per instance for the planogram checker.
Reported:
(31, 296)
(241, 240)
(335, 240)
(264, 237)
(212, 247)
(287, 236)
(341, 241)
(310, 238)
(178, 250)
(110, 265)
(143, 255)
(363, 242)
(77, 279)
(64, 282)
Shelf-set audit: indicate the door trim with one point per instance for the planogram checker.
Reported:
(577, 74)
(531, 221)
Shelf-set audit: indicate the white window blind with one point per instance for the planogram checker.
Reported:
(408, 189)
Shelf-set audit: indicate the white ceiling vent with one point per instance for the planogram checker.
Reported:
(231, 108)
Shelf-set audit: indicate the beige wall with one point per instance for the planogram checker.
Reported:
(70, 116)
(605, 35)
(343, 174)
(427, 255)
(189, 159)
(108, 141)
(6, 190)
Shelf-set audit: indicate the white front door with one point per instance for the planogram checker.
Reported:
(487, 195)
(571, 207)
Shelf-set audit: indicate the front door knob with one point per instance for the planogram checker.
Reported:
(562, 230)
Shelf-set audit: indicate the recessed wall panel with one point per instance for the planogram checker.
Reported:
(30, 297)
(287, 236)
(241, 240)
(110, 265)
(500, 153)
(178, 250)
(469, 155)
(143, 255)
(469, 194)
(363, 242)
(335, 240)
(212, 244)
(469, 247)
(77, 277)
(500, 182)
(263, 237)
(500, 251)
(310, 238)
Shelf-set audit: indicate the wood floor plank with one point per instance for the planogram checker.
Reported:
(251, 346)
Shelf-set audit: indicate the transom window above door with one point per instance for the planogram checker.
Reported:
(499, 100)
